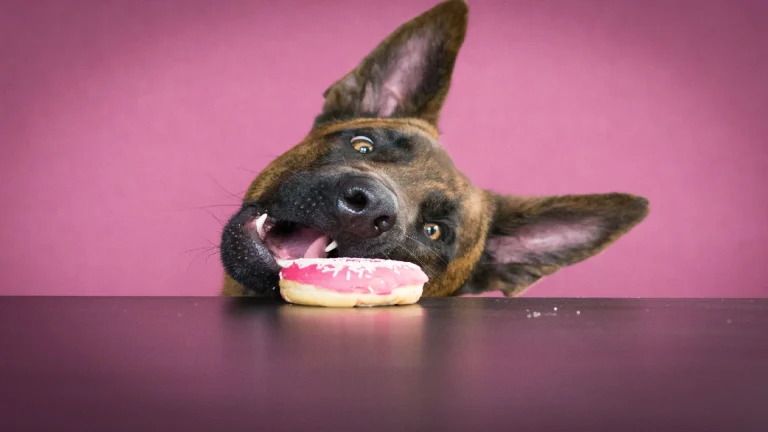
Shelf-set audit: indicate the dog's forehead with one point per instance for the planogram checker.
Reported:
(432, 168)
(406, 125)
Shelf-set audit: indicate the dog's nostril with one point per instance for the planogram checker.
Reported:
(384, 223)
(366, 207)
(356, 200)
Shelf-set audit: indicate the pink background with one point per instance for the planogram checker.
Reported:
(119, 120)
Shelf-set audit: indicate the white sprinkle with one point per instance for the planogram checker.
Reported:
(352, 263)
(361, 267)
(335, 270)
(529, 315)
(536, 314)
(370, 289)
(578, 312)
(729, 321)
(555, 308)
(347, 274)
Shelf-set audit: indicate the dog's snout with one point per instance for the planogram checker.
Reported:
(366, 207)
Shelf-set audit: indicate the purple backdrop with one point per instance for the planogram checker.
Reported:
(119, 120)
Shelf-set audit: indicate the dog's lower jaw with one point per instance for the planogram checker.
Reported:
(247, 262)
(233, 288)
(259, 281)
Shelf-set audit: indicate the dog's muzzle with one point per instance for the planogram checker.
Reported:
(317, 219)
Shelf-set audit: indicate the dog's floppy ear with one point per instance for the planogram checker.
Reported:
(530, 238)
(408, 74)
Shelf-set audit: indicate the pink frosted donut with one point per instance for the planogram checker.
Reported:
(348, 282)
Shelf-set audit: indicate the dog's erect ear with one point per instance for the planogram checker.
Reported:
(408, 74)
(530, 238)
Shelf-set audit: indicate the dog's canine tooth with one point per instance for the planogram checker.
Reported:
(331, 246)
(260, 225)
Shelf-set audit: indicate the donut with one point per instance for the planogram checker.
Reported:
(349, 282)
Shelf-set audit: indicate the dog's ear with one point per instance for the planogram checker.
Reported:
(530, 238)
(408, 74)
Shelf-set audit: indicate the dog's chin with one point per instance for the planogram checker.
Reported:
(255, 245)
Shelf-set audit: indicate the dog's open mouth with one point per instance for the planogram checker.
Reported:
(288, 240)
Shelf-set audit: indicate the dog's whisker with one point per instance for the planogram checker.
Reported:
(198, 255)
(427, 248)
(210, 255)
(209, 206)
(223, 224)
(423, 265)
(306, 180)
(204, 249)
(248, 170)
(271, 155)
(239, 198)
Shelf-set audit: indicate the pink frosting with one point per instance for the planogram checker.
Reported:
(354, 274)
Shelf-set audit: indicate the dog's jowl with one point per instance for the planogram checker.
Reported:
(372, 180)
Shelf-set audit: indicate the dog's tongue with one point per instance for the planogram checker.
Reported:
(316, 249)
(303, 242)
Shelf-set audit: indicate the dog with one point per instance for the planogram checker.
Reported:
(371, 180)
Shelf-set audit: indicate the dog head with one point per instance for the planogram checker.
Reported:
(372, 180)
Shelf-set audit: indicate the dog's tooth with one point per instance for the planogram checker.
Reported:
(331, 246)
(260, 225)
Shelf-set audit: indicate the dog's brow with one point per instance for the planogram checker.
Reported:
(439, 205)
(415, 125)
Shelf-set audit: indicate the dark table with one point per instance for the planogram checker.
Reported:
(459, 364)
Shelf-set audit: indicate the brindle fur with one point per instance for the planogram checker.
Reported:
(472, 263)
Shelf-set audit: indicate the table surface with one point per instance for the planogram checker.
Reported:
(443, 364)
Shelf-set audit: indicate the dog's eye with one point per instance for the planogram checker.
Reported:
(362, 144)
(432, 231)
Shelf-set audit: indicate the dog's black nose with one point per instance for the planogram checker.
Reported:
(366, 207)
